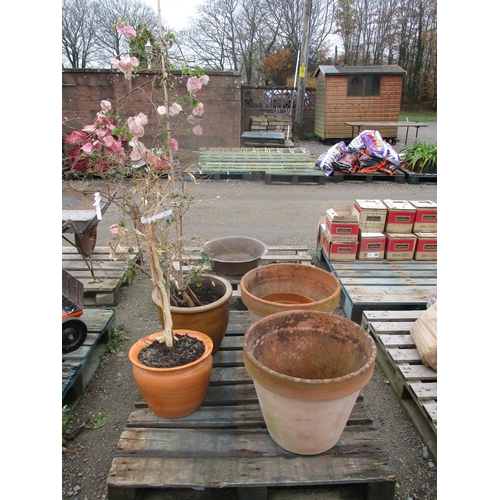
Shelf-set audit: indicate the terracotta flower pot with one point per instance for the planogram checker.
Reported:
(284, 287)
(308, 368)
(173, 392)
(211, 319)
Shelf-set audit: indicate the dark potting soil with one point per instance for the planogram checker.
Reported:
(186, 350)
(204, 295)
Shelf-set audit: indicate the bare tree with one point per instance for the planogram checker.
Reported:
(79, 32)
(88, 37)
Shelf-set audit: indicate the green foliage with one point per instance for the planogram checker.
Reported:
(97, 421)
(129, 276)
(65, 417)
(417, 117)
(419, 156)
(115, 341)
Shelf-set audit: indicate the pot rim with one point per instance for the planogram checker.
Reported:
(207, 341)
(227, 295)
(361, 372)
(288, 307)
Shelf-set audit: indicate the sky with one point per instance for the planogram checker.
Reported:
(175, 13)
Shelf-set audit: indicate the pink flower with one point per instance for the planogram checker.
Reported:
(138, 150)
(135, 124)
(194, 84)
(192, 120)
(105, 105)
(126, 30)
(174, 109)
(162, 110)
(111, 143)
(87, 147)
(197, 130)
(204, 79)
(125, 64)
(116, 229)
(174, 145)
(198, 109)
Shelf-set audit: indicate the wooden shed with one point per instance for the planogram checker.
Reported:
(356, 93)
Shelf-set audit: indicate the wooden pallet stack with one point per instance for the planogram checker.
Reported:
(397, 356)
(383, 285)
(102, 290)
(279, 164)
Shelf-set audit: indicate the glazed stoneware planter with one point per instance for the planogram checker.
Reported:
(235, 255)
(308, 368)
(173, 392)
(211, 319)
(285, 287)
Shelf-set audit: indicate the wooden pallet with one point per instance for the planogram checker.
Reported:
(416, 178)
(109, 274)
(255, 160)
(295, 177)
(383, 285)
(225, 444)
(79, 366)
(398, 177)
(414, 384)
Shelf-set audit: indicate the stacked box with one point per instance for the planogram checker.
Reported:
(400, 216)
(342, 222)
(425, 217)
(371, 246)
(372, 215)
(338, 251)
(426, 246)
(400, 246)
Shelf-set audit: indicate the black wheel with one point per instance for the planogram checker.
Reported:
(74, 333)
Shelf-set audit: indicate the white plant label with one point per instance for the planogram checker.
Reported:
(97, 205)
(162, 215)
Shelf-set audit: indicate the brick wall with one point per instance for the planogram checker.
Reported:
(82, 91)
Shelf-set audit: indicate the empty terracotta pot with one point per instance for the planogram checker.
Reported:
(285, 287)
(308, 368)
(173, 392)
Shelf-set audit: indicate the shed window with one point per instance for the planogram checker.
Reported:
(363, 85)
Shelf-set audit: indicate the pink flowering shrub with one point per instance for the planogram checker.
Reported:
(111, 142)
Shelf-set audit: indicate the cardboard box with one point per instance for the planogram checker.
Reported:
(372, 215)
(337, 251)
(400, 216)
(371, 246)
(400, 246)
(342, 222)
(426, 247)
(425, 217)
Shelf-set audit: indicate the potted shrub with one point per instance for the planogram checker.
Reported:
(148, 185)
(420, 158)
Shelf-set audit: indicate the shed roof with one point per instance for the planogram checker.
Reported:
(388, 69)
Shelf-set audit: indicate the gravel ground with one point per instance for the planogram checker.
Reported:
(278, 215)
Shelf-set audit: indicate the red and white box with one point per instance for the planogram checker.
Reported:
(426, 216)
(426, 247)
(372, 215)
(342, 222)
(338, 251)
(371, 246)
(400, 246)
(400, 216)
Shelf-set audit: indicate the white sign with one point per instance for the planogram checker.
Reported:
(148, 220)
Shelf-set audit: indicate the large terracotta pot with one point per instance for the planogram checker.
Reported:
(285, 287)
(173, 392)
(308, 368)
(211, 319)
